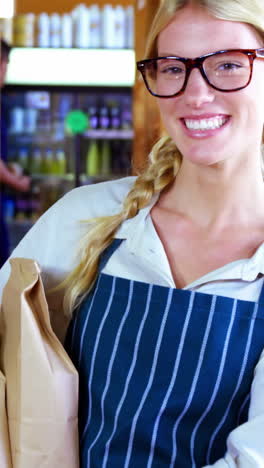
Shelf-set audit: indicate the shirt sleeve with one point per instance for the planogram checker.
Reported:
(52, 242)
(245, 444)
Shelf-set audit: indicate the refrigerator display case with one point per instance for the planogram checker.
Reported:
(69, 116)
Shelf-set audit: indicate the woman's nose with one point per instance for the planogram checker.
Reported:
(198, 91)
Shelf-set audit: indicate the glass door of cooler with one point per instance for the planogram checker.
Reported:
(42, 144)
(105, 147)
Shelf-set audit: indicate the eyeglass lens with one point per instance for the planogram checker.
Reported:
(226, 71)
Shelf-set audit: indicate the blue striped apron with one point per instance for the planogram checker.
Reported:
(165, 373)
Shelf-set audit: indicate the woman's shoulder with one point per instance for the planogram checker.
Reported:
(100, 199)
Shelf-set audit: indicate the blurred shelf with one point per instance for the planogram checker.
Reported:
(86, 180)
(53, 177)
(71, 67)
(24, 224)
(109, 134)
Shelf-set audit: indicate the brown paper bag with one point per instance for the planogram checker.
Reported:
(5, 455)
(41, 381)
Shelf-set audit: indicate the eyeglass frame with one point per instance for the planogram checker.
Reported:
(197, 62)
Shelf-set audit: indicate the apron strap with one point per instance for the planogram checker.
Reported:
(108, 252)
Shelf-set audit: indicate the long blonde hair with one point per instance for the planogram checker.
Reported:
(165, 158)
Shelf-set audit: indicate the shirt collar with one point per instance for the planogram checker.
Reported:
(254, 266)
(133, 231)
(131, 227)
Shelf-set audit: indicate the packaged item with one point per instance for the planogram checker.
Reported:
(126, 114)
(93, 117)
(55, 30)
(106, 158)
(30, 120)
(59, 162)
(82, 27)
(66, 30)
(43, 30)
(24, 30)
(130, 21)
(95, 26)
(6, 29)
(104, 119)
(93, 159)
(36, 161)
(120, 27)
(47, 161)
(108, 27)
(16, 120)
(23, 158)
(41, 381)
(115, 118)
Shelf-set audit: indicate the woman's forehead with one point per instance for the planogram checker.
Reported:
(193, 32)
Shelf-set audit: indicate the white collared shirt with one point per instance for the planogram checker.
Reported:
(52, 243)
(54, 239)
(143, 251)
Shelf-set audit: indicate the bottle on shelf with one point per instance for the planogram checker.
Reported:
(105, 158)
(93, 159)
(93, 117)
(36, 161)
(23, 158)
(108, 27)
(81, 19)
(55, 30)
(30, 120)
(6, 29)
(104, 119)
(126, 114)
(120, 27)
(59, 162)
(24, 30)
(43, 30)
(95, 27)
(16, 120)
(115, 118)
(66, 30)
(130, 27)
(47, 162)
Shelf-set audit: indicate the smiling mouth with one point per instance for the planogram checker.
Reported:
(213, 123)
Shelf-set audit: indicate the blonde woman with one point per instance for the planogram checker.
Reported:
(167, 295)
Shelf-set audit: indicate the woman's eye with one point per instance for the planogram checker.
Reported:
(171, 70)
(229, 66)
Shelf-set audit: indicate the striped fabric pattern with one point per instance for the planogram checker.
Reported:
(165, 374)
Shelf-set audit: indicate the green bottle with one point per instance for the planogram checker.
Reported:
(60, 162)
(46, 166)
(36, 161)
(93, 159)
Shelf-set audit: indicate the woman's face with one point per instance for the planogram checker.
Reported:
(240, 114)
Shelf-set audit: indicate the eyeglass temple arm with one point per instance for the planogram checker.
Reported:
(260, 53)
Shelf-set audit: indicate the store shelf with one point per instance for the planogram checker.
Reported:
(71, 67)
(109, 134)
(24, 224)
(53, 177)
(87, 180)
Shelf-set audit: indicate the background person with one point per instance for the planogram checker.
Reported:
(8, 177)
(167, 291)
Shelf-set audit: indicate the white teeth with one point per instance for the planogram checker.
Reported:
(205, 124)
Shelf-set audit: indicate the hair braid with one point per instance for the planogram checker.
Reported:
(165, 161)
